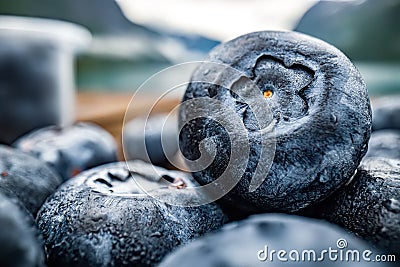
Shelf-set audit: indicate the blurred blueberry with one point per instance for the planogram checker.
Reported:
(20, 242)
(385, 113)
(260, 240)
(384, 143)
(153, 140)
(29, 179)
(72, 149)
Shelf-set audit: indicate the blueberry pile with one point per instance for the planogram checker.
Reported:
(67, 200)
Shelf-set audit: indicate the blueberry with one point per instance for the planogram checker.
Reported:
(369, 206)
(26, 177)
(250, 243)
(20, 242)
(317, 100)
(72, 149)
(385, 113)
(156, 144)
(384, 143)
(103, 218)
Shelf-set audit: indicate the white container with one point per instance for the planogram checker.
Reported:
(37, 73)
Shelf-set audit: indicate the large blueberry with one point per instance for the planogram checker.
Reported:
(103, 218)
(72, 149)
(20, 242)
(311, 95)
(369, 206)
(26, 177)
(274, 240)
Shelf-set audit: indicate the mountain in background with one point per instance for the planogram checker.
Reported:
(364, 30)
(122, 54)
(104, 17)
(99, 16)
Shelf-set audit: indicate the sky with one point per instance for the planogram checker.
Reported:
(218, 19)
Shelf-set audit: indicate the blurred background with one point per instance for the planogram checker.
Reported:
(133, 39)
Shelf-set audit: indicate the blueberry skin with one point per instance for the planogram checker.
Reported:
(26, 177)
(102, 218)
(369, 206)
(385, 113)
(149, 145)
(237, 244)
(20, 242)
(322, 113)
(384, 144)
(70, 150)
